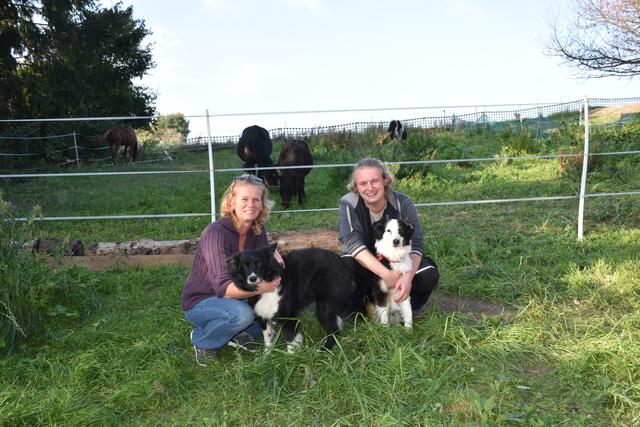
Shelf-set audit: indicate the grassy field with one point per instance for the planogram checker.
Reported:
(112, 348)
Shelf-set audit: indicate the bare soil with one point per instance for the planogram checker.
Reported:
(108, 255)
(476, 309)
(616, 113)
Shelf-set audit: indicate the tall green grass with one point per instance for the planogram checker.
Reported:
(36, 303)
(568, 354)
(189, 192)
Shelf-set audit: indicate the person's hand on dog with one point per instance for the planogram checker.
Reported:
(402, 288)
(390, 278)
(266, 287)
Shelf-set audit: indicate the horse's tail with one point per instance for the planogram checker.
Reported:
(134, 147)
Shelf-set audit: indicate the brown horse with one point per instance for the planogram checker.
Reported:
(125, 136)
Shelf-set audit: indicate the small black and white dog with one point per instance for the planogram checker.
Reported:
(310, 276)
(397, 130)
(393, 246)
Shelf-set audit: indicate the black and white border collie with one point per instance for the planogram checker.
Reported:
(397, 130)
(310, 276)
(393, 246)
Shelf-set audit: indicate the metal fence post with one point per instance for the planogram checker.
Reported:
(212, 185)
(75, 145)
(580, 117)
(539, 111)
(585, 166)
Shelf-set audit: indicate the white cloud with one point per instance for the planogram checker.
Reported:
(215, 4)
(316, 7)
(464, 8)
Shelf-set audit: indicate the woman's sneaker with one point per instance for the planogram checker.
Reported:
(244, 341)
(203, 355)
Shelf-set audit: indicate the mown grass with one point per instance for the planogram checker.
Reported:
(568, 356)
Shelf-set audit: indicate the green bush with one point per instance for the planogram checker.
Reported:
(520, 141)
(147, 140)
(36, 302)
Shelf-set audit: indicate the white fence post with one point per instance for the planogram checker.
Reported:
(585, 166)
(580, 117)
(75, 144)
(212, 185)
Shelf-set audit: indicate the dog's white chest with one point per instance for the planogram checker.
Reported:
(403, 266)
(267, 305)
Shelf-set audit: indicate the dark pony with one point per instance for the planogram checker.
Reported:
(125, 136)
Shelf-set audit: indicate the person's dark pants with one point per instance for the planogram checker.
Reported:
(424, 282)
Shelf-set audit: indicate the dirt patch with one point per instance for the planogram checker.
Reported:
(537, 370)
(615, 113)
(476, 309)
(148, 253)
(287, 241)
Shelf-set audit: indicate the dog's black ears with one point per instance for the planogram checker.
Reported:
(378, 228)
(273, 247)
(233, 264)
(408, 225)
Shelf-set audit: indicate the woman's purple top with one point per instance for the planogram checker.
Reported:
(209, 276)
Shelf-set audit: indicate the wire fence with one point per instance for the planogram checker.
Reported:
(18, 153)
(539, 117)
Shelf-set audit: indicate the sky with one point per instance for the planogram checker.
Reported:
(246, 56)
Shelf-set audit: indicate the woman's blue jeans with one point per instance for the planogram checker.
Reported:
(217, 320)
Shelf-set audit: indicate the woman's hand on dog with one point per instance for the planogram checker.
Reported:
(266, 287)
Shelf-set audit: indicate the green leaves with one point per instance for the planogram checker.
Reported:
(76, 59)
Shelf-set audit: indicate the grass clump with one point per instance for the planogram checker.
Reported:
(36, 302)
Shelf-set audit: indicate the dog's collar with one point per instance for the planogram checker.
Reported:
(383, 258)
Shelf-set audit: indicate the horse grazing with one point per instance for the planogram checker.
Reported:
(125, 136)
(254, 149)
(294, 153)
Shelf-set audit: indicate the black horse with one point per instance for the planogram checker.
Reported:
(254, 149)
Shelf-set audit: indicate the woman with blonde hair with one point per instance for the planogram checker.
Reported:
(216, 308)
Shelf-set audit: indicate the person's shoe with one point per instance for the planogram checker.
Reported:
(244, 341)
(203, 355)
(420, 311)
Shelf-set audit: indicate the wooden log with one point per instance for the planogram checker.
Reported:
(148, 253)
(287, 241)
(144, 247)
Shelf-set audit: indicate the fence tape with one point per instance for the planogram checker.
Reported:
(451, 203)
(316, 166)
(35, 137)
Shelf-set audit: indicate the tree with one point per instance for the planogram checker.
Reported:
(603, 40)
(14, 29)
(72, 58)
(168, 125)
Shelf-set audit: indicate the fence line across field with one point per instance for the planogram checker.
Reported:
(480, 116)
(413, 162)
(427, 204)
(485, 116)
(418, 205)
(36, 137)
(315, 166)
